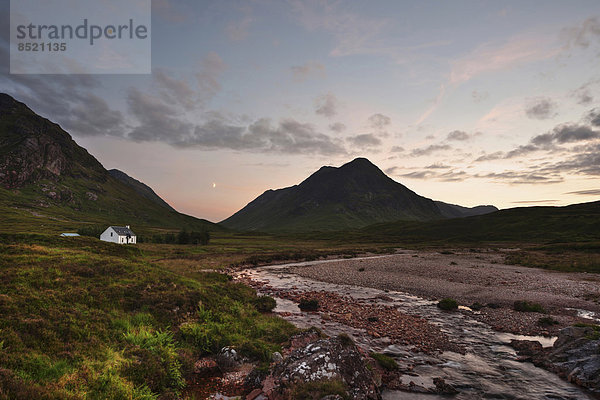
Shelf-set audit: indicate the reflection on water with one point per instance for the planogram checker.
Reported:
(489, 369)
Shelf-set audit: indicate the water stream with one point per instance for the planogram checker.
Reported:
(488, 370)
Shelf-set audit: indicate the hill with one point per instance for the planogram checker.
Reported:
(48, 182)
(140, 187)
(355, 195)
(574, 223)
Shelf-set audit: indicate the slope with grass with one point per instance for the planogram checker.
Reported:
(574, 223)
(84, 319)
(49, 183)
(140, 187)
(354, 195)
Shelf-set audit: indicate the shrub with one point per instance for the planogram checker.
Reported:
(309, 304)
(547, 321)
(447, 304)
(157, 364)
(477, 306)
(386, 362)
(264, 303)
(361, 269)
(524, 306)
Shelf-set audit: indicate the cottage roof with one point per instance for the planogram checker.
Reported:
(123, 230)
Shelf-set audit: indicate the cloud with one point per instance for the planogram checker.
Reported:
(311, 69)
(583, 94)
(588, 192)
(566, 134)
(493, 57)
(238, 30)
(379, 121)
(582, 35)
(523, 177)
(424, 151)
(177, 91)
(397, 149)
(479, 97)
(353, 33)
(391, 170)
(337, 127)
(533, 201)
(491, 156)
(458, 135)
(540, 108)
(212, 67)
(594, 117)
(287, 137)
(449, 176)
(326, 105)
(364, 140)
(437, 166)
(521, 150)
(158, 121)
(95, 118)
(67, 99)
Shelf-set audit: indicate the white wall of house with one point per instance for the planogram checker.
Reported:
(109, 235)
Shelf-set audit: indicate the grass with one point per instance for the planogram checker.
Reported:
(386, 362)
(319, 389)
(84, 319)
(448, 304)
(309, 305)
(547, 321)
(524, 306)
(595, 332)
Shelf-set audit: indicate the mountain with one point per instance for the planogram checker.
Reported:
(141, 188)
(48, 181)
(354, 195)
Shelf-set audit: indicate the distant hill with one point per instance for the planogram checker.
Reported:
(141, 188)
(48, 181)
(574, 223)
(455, 211)
(355, 195)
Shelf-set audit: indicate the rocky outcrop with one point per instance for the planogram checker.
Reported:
(575, 355)
(321, 362)
(33, 148)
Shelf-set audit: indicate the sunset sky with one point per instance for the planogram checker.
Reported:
(468, 102)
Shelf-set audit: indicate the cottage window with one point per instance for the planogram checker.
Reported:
(111, 234)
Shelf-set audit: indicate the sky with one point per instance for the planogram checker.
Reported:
(467, 102)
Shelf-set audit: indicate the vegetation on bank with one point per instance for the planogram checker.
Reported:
(86, 319)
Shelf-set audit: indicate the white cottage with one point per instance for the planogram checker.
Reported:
(118, 234)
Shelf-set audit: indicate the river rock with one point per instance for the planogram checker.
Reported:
(227, 359)
(575, 355)
(323, 359)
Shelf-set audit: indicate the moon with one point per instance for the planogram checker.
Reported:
(214, 185)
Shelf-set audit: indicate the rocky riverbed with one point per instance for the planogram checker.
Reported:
(388, 304)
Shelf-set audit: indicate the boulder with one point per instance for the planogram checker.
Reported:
(574, 356)
(332, 359)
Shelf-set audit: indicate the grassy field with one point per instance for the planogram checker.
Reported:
(86, 319)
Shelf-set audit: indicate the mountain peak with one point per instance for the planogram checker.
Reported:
(359, 162)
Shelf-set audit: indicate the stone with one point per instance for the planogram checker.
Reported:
(227, 359)
(276, 357)
(323, 359)
(575, 355)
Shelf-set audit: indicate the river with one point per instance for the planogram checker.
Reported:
(488, 370)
